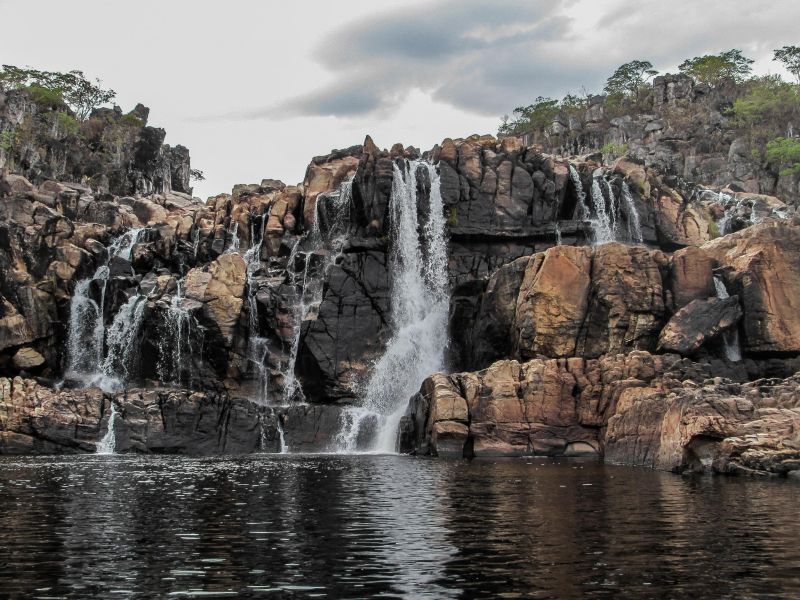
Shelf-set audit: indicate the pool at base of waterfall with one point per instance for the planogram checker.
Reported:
(307, 526)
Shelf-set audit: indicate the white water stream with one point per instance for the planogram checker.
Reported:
(420, 304)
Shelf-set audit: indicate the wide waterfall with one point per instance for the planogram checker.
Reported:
(730, 339)
(96, 356)
(420, 304)
(606, 213)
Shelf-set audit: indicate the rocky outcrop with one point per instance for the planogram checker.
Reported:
(716, 426)
(699, 322)
(659, 411)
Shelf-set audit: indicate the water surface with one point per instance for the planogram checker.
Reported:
(388, 526)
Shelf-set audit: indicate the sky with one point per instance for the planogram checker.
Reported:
(256, 89)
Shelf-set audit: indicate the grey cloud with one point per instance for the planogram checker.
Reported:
(489, 56)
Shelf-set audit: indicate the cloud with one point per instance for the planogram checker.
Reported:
(487, 56)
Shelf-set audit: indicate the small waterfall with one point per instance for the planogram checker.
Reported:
(257, 346)
(634, 224)
(558, 233)
(174, 348)
(281, 435)
(420, 304)
(602, 226)
(326, 247)
(108, 444)
(122, 346)
(234, 246)
(86, 339)
(730, 339)
(195, 240)
(606, 211)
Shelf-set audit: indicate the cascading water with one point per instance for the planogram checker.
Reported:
(235, 243)
(634, 224)
(602, 226)
(730, 339)
(605, 214)
(257, 346)
(121, 343)
(420, 304)
(108, 444)
(327, 247)
(86, 341)
(174, 348)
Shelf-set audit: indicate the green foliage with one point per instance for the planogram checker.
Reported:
(790, 57)
(7, 140)
(714, 68)
(713, 228)
(534, 117)
(786, 153)
(614, 149)
(630, 79)
(767, 99)
(452, 218)
(67, 124)
(45, 97)
(80, 94)
(131, 120)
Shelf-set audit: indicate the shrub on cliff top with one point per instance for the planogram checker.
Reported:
(790, 57)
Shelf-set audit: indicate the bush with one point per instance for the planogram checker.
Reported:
(614, 149)
(786, 153)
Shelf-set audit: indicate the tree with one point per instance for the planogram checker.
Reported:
(713, 68)
(536, 116)
(80, 94)
(630, 78)
(790, 57)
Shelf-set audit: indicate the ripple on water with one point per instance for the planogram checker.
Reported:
(388, 526)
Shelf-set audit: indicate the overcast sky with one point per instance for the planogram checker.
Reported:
(255, 89)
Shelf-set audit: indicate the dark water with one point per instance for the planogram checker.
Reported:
(382, 526)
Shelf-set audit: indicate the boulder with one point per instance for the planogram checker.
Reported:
(697, 323)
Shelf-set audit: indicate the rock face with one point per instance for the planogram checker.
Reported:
(205, 324)
(717, 426)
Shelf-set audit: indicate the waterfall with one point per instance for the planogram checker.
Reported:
(730, 339)
(327, 247)
(420, 304)
(86, 337)
(257, 346)
(602, 226)
(234, 247)
(175, 347)
(121, 341)
(108, 444)
(634, 224)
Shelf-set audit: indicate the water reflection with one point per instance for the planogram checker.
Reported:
(367, 526)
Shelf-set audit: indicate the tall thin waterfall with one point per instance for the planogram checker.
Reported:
(257, 346)
(86, 343)
(730, 339)
(326, 246)
(420, 304)
(634, 224)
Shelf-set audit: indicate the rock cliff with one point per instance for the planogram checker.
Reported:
(589, 304)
